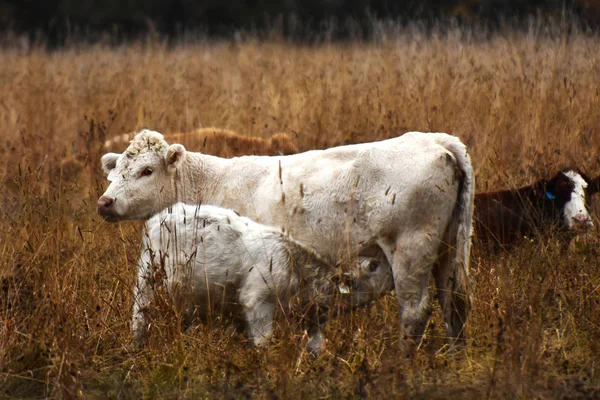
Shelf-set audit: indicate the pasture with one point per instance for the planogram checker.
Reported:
(526, 104)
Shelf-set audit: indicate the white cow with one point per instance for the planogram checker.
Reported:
(215, 261)
(407, 199)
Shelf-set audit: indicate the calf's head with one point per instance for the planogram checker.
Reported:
(569, 193)
(142, 178)
(367, 280)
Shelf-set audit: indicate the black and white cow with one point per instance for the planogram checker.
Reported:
(504, 217)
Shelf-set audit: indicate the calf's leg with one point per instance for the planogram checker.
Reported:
(143, 294)
(259, 310)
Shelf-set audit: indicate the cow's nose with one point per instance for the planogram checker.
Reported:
(105, 203)
(583, 221)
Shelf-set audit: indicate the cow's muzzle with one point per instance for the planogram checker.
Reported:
(106, 208)
(582, 222)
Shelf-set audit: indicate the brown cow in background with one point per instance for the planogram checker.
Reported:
(213, 141)
(218, 142)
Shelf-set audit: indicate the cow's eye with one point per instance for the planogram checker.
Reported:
(147, 171)
(373, 265)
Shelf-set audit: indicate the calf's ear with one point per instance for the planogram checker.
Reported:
(109, 162)
(174, 157)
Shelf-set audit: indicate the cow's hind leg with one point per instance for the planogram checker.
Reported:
(455, 304)
(413, 258)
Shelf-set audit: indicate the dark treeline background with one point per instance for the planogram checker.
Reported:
(55, 21)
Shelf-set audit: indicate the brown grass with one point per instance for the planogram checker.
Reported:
(525, 104)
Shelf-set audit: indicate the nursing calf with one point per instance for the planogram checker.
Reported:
(407, 200)
(504, 217)
(215, 261)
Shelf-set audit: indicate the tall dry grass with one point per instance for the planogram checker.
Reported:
(526, 104)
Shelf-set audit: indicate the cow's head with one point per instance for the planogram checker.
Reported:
(569, 193)
(370, 278)
(142, 178)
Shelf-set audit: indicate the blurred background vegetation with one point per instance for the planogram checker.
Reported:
(57, 21)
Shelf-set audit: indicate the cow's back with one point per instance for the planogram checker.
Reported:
(372, 190)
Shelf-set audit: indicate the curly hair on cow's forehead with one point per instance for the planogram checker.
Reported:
(146, 140)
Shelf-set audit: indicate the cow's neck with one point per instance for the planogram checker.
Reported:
(197, 178)
(213, 180)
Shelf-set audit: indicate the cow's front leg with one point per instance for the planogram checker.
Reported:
(259, 310)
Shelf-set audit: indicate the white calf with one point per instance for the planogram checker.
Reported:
(215, 261)
(407, 199)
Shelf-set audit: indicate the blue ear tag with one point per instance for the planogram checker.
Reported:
(550, 196)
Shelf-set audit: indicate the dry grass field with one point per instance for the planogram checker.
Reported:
(526, 104)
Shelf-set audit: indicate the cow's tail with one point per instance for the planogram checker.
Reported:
(453, 274)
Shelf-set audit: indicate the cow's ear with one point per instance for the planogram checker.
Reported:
(174, 157)
(109, 162)
(544, 189)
